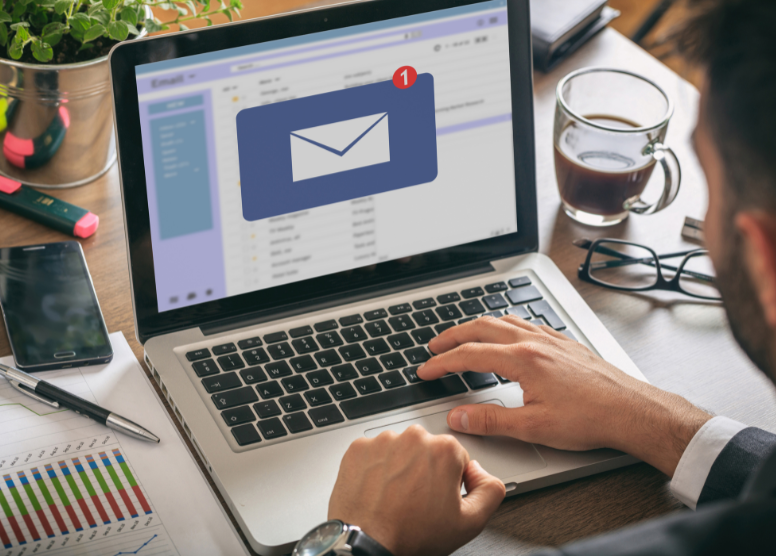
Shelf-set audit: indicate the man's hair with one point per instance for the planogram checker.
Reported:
(734, 41)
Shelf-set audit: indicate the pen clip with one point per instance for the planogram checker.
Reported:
(33, 395)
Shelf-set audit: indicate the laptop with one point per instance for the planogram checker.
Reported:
(309, 199)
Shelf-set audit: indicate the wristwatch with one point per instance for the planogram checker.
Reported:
(335, 538)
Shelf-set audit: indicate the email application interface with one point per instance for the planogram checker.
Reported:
(293, 159)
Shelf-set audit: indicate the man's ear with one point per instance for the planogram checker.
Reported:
(759, 232)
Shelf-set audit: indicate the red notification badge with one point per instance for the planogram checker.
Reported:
(405, 77)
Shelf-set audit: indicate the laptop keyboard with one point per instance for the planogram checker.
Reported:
(333, 371)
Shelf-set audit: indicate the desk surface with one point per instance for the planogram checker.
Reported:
(680, 345)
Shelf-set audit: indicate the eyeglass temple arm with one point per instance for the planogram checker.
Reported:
(649, 261)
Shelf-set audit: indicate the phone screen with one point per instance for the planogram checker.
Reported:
(50, 308)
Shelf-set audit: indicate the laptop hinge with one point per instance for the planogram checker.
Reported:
(396, 286)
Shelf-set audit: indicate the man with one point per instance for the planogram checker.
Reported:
(404, 490)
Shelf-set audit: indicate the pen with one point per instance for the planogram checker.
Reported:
(55, 397)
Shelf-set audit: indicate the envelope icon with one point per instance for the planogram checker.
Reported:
(340, 146)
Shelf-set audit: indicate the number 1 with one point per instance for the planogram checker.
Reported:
(404, 74)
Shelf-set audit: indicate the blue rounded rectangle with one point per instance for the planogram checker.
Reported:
(337, 146)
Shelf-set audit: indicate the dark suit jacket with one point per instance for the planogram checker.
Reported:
(736, 511)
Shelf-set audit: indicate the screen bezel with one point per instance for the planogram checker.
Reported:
(84, 354)
(126, 56)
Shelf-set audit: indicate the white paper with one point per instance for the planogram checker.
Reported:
(175, 511)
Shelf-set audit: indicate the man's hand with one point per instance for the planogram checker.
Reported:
(573, 400)
(404, 491)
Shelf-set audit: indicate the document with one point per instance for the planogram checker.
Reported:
(70, 486)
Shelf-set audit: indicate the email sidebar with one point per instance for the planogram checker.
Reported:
(336, 146)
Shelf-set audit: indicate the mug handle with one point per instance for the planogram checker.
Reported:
(673, 172)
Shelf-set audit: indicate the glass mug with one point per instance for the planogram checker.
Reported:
(609, 130)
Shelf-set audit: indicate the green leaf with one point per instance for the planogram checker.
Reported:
(101, 17)
(192, 6)
(152, 25)
(5, 17)
(16, 50)
(180, 9)
(236, 4)
(129, 15)
(182, 27)
(118, 30)
(85, 46)
(110, 4)
(80, 23)
(39, 19)
(53, 27)
(22, 34)
(47, 3)
(42, 51)
(62, 6)
(53, 39)
(94, 32)
(18, 9)
(228, 14)
(208, 22)
(3, 34)
(140, 15)
(132, 29)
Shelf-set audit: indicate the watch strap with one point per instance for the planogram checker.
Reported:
(364, 545)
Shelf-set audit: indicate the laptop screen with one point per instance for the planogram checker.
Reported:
(288, 160)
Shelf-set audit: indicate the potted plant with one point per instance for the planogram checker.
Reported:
(56, 120)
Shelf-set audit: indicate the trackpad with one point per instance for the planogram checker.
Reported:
(500, 456)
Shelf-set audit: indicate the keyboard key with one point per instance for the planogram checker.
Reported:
(377, 329)
(303, 345)
(297, 422)
(325, 325)
(519, 311)
(280, 351)
(221, 382)
(342, 391)
(224, 348)
(448, 298)
(344, 372)
(351, 320)
(353, 334)
(472, 292)
(328, 358)
(403, 322)
(329, 340)
(256, 356)
(352, 353)
(275, 337)
(425, 318)
(569, 334)
(503, 380)
(392, 380)
(320, 378)
(444, 326)
(399, 309)
(292, 403)
(424, 303)
(367, 385)
(295, 383)
(400, 341)
(376, 314)
(249, 343)
(267, 409)
(423, 335)
(494, 314)
(303, 364)
(231, 362)
(495, 301)
(524, 295)
(253, 376)
(393, 361)
(369, 366)
(412, 374)
(467, 319)
(324, 416)
(233, 398)
(543, 309)
(205, 368)
(472, 307)
(497, 287)
(246, 434)
(198, 354)
(448, 312)
(416, 356)
(479, 380)
(301, 331)
(272, 428)
(388, 400)
(238, 416)
(269, 390)
(317, 397)
(375, 347)
(520, 282)
(278, 369)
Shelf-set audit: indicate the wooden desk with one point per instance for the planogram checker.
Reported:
(680, 345)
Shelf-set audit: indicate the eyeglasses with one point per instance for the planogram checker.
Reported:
(625, 266)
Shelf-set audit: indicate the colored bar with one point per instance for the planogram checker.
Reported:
(4, 537)
(35, 505)
(112, 472)
(12, 520)
(90, 489)
(22, 508)
(135, 487)
(104, 486)
(49, 500)
(62, 496)
(77, 492)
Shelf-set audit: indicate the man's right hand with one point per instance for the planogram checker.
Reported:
(573, 399)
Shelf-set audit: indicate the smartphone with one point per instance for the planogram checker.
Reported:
(50, 309)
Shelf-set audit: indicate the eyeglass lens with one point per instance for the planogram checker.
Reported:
(623, 265)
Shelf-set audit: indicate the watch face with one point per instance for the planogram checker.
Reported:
(320, 540)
